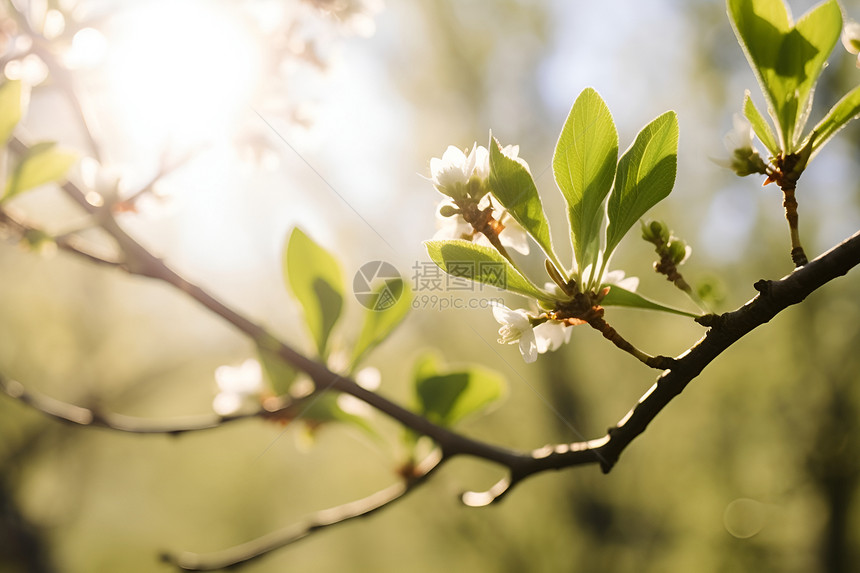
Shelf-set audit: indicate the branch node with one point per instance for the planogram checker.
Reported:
(798, 257)
(714, 321)
(662, 362)
(763, 286)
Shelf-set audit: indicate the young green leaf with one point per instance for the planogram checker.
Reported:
(584, 166)
(481, 264)
(379, 324)
(845, 110)
(316, 280)
(10, 108)
(445, 398)
(817, 33)
(760, 125)
(43, 163)
(645, 176)
(622, 297)
(786, 59)
(513, 186)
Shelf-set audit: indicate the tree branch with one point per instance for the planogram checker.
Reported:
(725, 330)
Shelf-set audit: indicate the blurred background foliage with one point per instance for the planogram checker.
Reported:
(755, 467)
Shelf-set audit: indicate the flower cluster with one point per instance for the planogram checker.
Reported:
(491, 196)
(540, 331)
(468, 212)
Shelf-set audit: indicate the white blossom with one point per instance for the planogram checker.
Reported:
(851, 38)
(452, 172)
(551, 336)
(618, 279)
(239, 387)
(533, 340)
(516, 328)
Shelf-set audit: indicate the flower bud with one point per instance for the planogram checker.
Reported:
(746, 161)
(655, 232)
(678, 251)
(448, 210)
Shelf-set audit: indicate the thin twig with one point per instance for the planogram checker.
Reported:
(242, 554)
(68, 242)
(80, 416)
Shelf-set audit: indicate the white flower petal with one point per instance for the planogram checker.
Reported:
(450, 171)
(471, 162)
(482, 162)
(851, 36)
(617, 278)
(551, 336)
(516, 326)
(528, 347)
(506, 316)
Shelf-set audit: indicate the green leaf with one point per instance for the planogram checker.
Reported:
(512, 184)
(785, 58)
(43, 163)
(10, 108)
(278, 373)
(760, 125)
(481, 264)
(379, 324)
(447, 397)
(817, 33)
(845, 110)
(622, 297)
(645, 176)
(584, 166)
(315, 279)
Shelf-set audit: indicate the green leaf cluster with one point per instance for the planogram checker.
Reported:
(787, 58)
(605, 197)
(314, 277)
